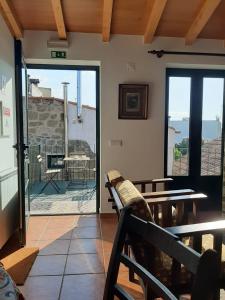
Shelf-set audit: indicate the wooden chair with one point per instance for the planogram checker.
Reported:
(205, 268)
(160, 200)
(125, 194)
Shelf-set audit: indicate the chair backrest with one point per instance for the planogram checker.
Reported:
(124, 193)
(205, 268)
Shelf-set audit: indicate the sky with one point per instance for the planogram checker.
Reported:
(53, 79)
(179, 98)
(179, 91)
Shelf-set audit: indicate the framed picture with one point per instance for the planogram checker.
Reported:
(133, 101)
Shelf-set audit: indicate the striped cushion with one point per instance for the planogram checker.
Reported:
(114, 177)
(129, 195)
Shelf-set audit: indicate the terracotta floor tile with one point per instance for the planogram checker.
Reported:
(107, 245)
(85, 221)
(40, 220)
(51, 247)
(106, 257)
(35, 234)
(31, 243)
(86, 232)
(83, 287)
(62, 222)
(57, 234)
(84, 263)
(42, 288)
(85, 246)
(48, 265)
(133, 289)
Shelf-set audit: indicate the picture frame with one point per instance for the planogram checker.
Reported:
(133, 101)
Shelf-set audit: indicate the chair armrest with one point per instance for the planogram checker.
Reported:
(151, 181)
(168, 193)
(176, 199)
(198, 228)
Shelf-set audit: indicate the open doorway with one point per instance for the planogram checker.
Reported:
(63, 139)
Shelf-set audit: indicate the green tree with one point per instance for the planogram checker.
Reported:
(183, 146)
(177, 153)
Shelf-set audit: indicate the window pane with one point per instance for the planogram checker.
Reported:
(213, 89)
(178, 126)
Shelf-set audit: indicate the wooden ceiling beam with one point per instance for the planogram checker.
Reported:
(107, 19)
(203, 16)
(11, 19)
(153, 20)
(59, 19)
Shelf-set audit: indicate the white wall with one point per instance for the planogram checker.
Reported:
(86, 130)
(141, 155)
(7, 97)
(8, 170)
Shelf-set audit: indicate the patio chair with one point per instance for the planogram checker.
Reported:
(77, 167)
(146, 236)
(50, 176)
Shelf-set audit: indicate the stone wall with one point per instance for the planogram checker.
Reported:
(46, 133)
(45, 121)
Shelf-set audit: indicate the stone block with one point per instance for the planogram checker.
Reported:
(32, 130)
(57, 137)
(41, 108)
(44, 134)
(54, 116)
(59, 130)
(32, 115)
(35, 124)
(43, 116)
(52, 123)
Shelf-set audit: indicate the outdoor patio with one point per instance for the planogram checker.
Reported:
(74, 197)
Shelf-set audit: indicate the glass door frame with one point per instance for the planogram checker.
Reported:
(98, 129)
(20, 145)
(196, 104)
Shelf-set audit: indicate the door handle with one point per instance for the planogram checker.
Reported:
(16, 146)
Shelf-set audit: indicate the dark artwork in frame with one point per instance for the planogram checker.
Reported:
(133, 101)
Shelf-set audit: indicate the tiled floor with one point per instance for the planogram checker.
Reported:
(77, 198)
(74, 254)
(73, 258)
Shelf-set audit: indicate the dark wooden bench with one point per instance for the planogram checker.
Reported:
(180, 201)
(195, 230)
(181, 208)
(205, 268)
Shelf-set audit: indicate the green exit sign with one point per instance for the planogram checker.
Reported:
(58, 54)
